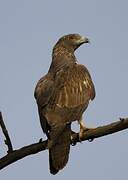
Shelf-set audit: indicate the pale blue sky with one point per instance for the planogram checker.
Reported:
(28, 31)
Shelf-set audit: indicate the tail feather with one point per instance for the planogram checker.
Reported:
(59, 153)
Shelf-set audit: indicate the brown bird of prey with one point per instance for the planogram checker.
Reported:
(62, 96)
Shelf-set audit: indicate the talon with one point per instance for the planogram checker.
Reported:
(80, 138)
(83, 129)
(40, 140)
(90, 140)
(73, 143)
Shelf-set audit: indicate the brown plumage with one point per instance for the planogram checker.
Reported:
(62, 96)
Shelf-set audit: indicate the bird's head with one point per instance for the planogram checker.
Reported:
(73, 41)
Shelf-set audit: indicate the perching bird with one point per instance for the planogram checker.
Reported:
(62, 96)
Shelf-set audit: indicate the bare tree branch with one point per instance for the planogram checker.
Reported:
(102, 131)
(22, 152)
(5, 132)
(40, 146)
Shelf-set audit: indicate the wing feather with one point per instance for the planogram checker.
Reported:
(43, 92)
(77, 88)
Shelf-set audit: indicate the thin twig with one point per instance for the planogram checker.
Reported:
(5, 132)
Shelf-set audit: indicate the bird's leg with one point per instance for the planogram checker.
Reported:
(83, 128)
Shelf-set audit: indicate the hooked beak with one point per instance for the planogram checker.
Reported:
(83, 39)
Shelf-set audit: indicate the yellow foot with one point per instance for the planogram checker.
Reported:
(82, 131)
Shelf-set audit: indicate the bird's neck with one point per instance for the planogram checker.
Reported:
(61, 57)
(61, 50)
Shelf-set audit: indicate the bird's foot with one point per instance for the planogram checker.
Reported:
(82, 131)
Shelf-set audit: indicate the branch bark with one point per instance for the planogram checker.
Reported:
(5, 132)
(18, 154)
